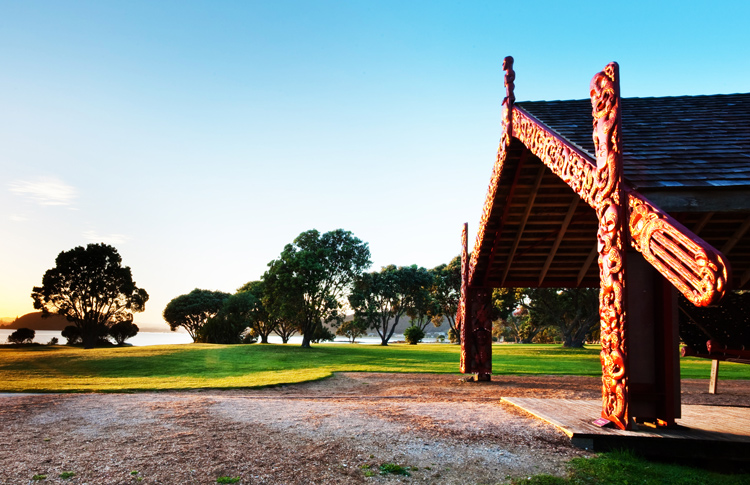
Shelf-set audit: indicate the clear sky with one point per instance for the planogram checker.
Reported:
(201, 137)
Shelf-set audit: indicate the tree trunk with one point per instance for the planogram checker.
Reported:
(264, 339)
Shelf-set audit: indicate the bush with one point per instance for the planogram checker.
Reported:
(53, 341)
(22, 336)
(413, 334)
(453, 336)
(121, 331)
(322, 334)
(73, 334)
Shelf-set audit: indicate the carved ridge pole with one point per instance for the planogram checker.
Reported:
(610, 204)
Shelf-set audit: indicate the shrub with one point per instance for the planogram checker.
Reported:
(453, 336)
(121, 331)
(72, 334)
(53, 341)
(22, 336)
(413, 334)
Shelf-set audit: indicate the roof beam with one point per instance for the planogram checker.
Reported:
(702, 223)
(736, 237)
(506, 210)
(558, 239)
(524, 219)
(745, 278)
(587, 265)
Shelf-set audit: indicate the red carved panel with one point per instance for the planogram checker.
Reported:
(608, 199)
(694, 267)
(573, 166)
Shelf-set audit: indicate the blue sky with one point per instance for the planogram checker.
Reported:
(201, 137)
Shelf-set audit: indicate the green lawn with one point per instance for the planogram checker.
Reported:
(70, 369)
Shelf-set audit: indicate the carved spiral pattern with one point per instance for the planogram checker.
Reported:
(693, 266)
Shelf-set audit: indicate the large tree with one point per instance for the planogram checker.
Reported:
(446, 291)
(382, 297)
(91, 288)
(309, 281)
(192, 311)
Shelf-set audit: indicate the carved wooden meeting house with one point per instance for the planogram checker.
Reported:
(638, 209)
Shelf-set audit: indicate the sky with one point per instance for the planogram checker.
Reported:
(199, 138)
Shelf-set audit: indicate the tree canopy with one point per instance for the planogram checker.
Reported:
(446, 292)
(309, 281)
(382, 297)
(91, 288)
(192, 311)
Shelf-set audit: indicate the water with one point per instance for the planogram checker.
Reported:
(171, 338)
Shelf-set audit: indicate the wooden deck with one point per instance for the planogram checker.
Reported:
(715, 432)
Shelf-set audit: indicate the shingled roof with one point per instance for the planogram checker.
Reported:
(681, 141)
(689, 155)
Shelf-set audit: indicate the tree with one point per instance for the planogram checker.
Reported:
(22, 336)
(413, 334)
(258, 317)
(382, 298)
(511, 310)
(192, 311)
(352, 329)
(423, 308)
(309, 281)
(446, 291)
(121, 331)
(573, 311)
(229, 324)
(91, 288)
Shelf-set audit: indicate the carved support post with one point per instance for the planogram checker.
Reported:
(474, 321)
(611, 209)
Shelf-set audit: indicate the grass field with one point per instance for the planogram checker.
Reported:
(129, 369)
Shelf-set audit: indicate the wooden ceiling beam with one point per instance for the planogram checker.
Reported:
(519, 232)
(745, 278)
(702, 223)
(506, 213)
(558, 239)
(736, 237)
(586, 265)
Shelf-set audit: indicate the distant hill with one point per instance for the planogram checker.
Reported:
(35, 321)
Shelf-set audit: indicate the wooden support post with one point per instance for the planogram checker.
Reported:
(713, 384)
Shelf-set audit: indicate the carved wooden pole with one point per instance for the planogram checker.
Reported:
(611, 209)
(461, 317)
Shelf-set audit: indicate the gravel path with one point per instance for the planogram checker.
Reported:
(330, 431)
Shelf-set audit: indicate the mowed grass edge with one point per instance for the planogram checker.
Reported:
(194, 366)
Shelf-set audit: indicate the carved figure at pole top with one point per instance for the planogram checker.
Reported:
(510, 98)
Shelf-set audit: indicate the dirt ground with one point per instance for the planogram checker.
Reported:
(338, 430)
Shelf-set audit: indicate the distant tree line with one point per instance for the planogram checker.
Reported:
(311, 286)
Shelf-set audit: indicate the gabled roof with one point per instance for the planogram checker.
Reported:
(689, 155)
(683, 141)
